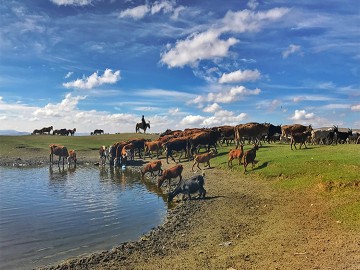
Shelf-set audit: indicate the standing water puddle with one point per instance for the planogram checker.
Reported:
(49, 214)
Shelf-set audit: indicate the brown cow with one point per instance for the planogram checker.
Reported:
(152, 167)
(249, 157)
(287, 130)
(169, 174)
(250, 130)
(72, 157)
(152, 146)
(60, 151)
(236, 154)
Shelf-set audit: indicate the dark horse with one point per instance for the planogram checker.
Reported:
(141, 126)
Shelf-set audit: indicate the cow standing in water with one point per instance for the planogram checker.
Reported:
(62, 152)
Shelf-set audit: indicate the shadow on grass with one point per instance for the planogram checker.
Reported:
(262, 166)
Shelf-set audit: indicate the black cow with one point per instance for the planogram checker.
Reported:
(187, 187)
(177, 145)
(343, 136)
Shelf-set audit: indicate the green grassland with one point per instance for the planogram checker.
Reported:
(332, 171)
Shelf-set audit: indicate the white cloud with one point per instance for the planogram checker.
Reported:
(355, 107)
(136, 13)
(197, 47)
(301, 115)
(252, 4)
(212, 108)
(234, 94)
(69, 74)
(141, 11)
(291, 50)
(240, 76)
(72, 2)
(95, 80)
(208, 45)
(192, 120)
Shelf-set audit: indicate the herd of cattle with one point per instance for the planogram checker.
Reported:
(186, 143)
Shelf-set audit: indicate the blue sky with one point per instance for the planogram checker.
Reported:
(103, 63)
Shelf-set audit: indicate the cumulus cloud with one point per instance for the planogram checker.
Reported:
(355, 107)
(240, 76)
(212, 108)
(234, 94)
(209, 45)
(94, 80)
(301, 115)
(72, 2)
(201, 46)
(291, 50)
(192, 120)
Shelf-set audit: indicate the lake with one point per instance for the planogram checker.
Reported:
(49, 214)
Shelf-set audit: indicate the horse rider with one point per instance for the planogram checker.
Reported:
(143, 121)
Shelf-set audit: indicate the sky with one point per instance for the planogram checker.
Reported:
(102, 64)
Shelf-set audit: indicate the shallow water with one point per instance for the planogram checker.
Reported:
(49, 214)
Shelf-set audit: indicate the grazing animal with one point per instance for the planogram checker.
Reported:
(249, 157)
(168, 174)
(287, 130)
(46, 130)
(203, 158)
(97, 131)
(151, 147)
(177, 145)
(60, 151)
(250, 130)
(236, 154)
(205, 137)
(142, 126)
(72, 157)
(187, 187)
(103, 155)
(342, 137)
(71, 131)
(299, 138)
(37, 131)
(152, 167)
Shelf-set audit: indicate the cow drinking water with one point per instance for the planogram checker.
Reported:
(187, 187)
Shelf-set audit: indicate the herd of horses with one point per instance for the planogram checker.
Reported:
(67, 132)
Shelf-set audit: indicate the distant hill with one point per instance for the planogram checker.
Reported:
(13, 132)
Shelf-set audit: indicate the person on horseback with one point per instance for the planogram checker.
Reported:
(143, 122)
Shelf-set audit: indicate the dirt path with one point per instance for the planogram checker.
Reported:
(243, 224)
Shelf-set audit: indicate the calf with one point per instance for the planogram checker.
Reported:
(152, 167)
(173, 172)
(236, 154)
(203, 158)
(103, 154)
(72, 157)
(299, 138)
(249, 157)
(194, 184)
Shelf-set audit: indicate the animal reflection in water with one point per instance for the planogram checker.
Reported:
(60, 172)
(115, 175)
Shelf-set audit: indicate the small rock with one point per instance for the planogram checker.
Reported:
(225, 244)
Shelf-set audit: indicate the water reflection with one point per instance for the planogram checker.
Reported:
(71, 211)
